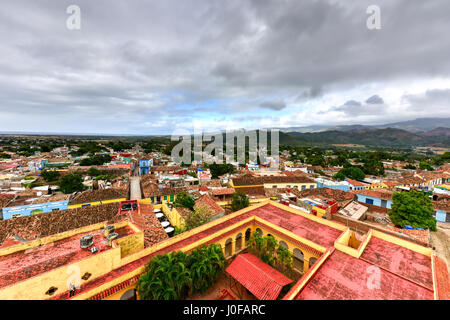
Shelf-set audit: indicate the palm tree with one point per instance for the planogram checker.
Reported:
(167, 278)
(205, 264)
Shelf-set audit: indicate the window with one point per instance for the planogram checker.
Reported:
(311, 187)
(303, 187)
(274, 187)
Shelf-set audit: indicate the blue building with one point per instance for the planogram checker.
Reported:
(144, 166)
(375, 198)
(338, 185)
(22, 211)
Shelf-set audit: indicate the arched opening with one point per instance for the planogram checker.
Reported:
(312, 261)
(298, 260)
(269, 235)
(247, 234)
(129, 295)
(284, 244)
(238, 242)
(259, 231)
(228, 248)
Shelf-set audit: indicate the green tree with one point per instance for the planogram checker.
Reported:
(167, 278)
(339, 176)
(239, 201)
(354, 173)
(94, 172)
(220, 169)
(197, 218)
(71, 183)
(412, 208)
(205, 266)
(425, 166)
(50, 175)
(184, 200)
(96, 160)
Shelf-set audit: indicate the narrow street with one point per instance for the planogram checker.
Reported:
(135, 188)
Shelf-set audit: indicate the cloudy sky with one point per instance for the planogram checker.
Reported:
(150, 67)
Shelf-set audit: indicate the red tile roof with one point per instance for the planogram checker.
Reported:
(222, 191)
(356, 183)
(381, 194)
(206, 201)
(258, 277)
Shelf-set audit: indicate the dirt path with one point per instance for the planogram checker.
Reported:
(441, 241)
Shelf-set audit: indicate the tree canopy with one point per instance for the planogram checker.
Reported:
(220, 169)
(174, 275)
(239, 201)
(50, 175)
(412, 208)
(185, 200)
(71, 183)
(354, 173)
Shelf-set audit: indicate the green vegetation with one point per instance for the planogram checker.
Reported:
(5, 156)
(184, 200)
(88, 147)
(354, 173)
(175, 275)
(93, 172)
(218, 170)
(96, 160)
(50, 175)
(119, 146)
(412, 208)
(425, 166)
(197, 218)
(71, 183)
(239, 201)
(192, 174)
(205, 266)
(269, 251)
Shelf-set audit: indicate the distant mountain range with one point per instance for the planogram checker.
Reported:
(439, 137)
(415, 126)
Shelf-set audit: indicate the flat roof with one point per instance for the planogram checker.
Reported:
(343, 277)
(22, 265)
(316, 232)
(406, 263)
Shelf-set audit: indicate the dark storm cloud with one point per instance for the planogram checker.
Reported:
(375, 100)
(140, 61)
(356, 108)
(273, 105)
